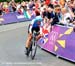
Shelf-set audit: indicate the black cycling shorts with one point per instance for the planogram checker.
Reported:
(37, 29)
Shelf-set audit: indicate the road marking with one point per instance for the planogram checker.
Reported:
(27, 63)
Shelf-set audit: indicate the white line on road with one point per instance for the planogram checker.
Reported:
(27, 63)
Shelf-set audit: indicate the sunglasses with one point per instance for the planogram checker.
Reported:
(58, 9)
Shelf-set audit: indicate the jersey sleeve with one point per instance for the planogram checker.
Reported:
(32, 22)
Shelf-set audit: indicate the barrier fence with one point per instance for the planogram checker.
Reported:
(13, 17)
(60, 41)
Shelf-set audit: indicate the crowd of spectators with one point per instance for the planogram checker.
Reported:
(54, 11)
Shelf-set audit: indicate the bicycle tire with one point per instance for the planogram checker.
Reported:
(33, 49)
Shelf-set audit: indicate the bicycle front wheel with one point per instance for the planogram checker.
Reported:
(34, 49)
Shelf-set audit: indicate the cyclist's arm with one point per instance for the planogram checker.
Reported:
(32, 22)
(31, 25)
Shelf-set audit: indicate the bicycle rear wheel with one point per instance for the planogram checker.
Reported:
(33, 49)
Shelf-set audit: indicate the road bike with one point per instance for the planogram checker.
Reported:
(33, 45)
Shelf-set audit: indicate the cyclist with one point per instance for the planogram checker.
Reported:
(35, 25)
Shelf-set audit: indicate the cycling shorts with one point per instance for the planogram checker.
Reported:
(31, 29)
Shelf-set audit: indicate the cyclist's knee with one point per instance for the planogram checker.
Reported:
(29, 36)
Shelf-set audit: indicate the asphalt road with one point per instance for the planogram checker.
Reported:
(12, 47)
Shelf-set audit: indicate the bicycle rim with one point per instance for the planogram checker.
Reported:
(33, 51)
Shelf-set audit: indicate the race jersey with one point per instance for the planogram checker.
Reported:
(37, 21)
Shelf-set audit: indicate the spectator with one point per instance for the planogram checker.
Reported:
(33, 12)
(1, 8)
(57, 15)
(70, 7)
(0, 12)
(20, 10)
(5, 7)
(18, 5)
(31, 4)
(66, 16)
(23, 4)
(62, 3)
(13, 6)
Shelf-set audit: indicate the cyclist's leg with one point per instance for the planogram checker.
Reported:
(28, 39)
(29, 36)
(28, 42)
